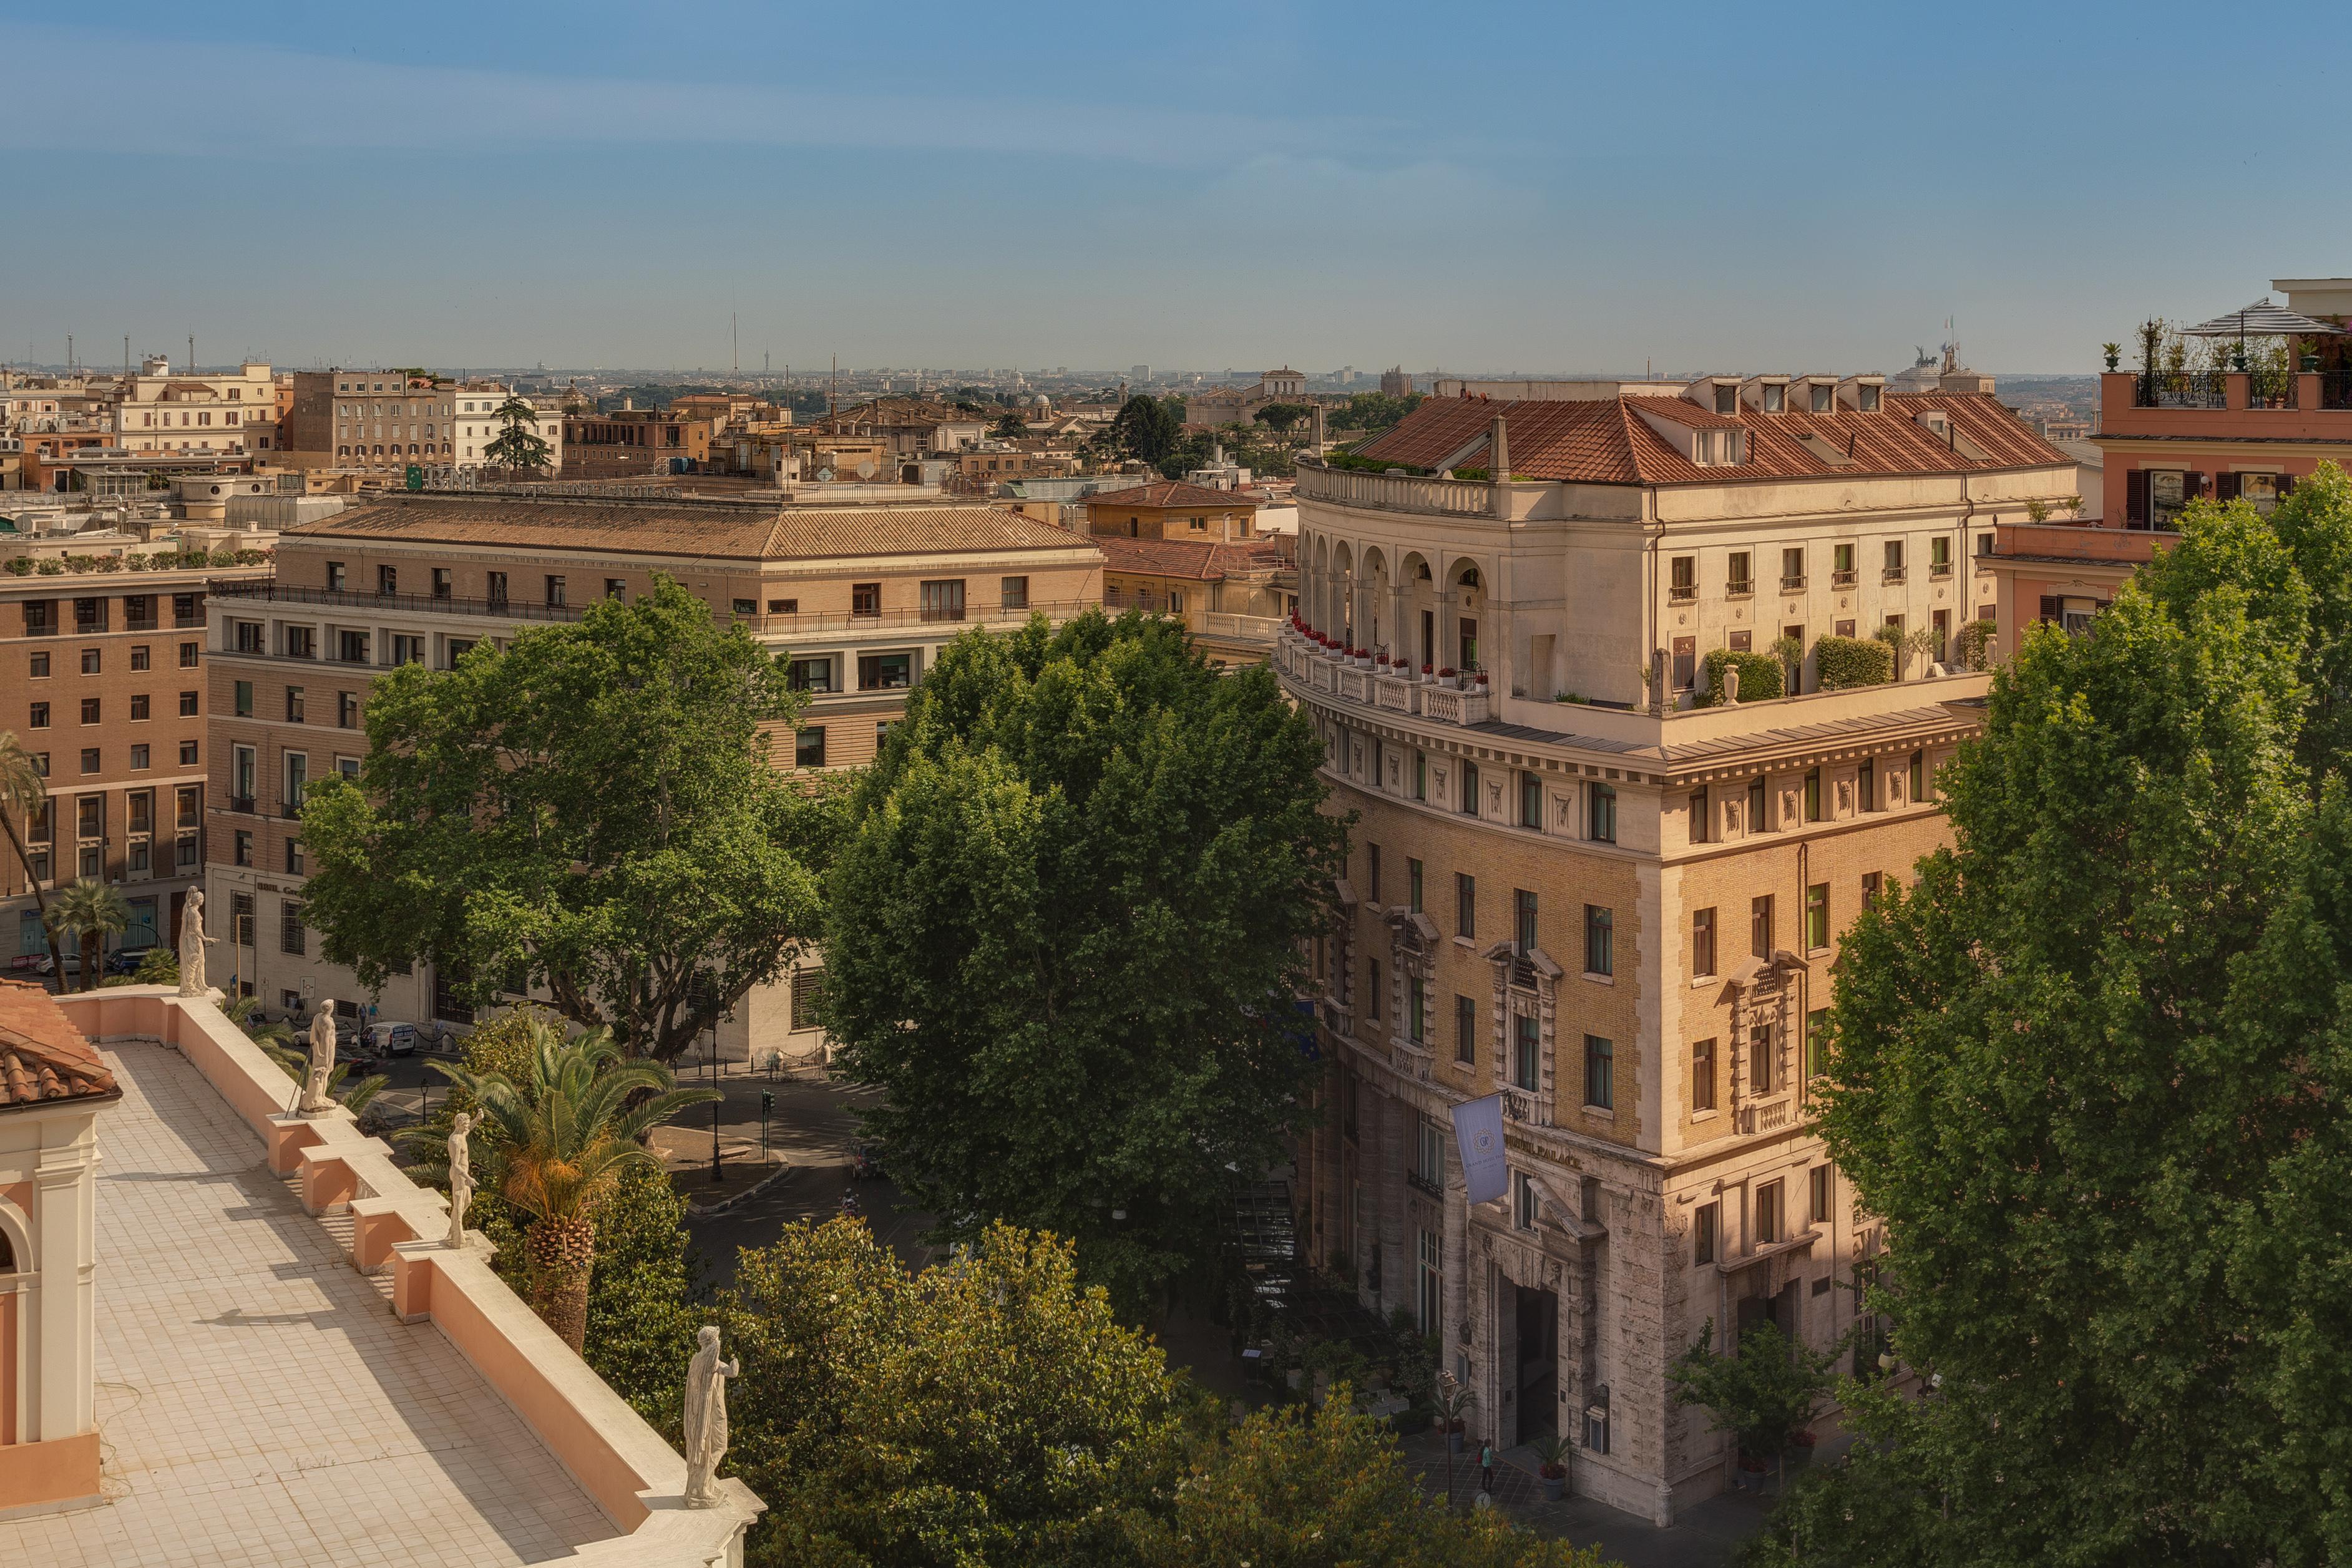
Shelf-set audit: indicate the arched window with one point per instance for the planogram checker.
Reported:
(8, 1255)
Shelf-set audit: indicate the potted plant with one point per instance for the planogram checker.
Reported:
(1481, 678)
(2114, 351)
(1763, 1396)
(1551, 1464)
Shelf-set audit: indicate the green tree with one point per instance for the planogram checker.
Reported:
(93, 911)
(1147, 428)
(557, 1145)
(24, 791)
(593, 809)
(1763, 1396)
(1279, 417)
(986, 1411)
(519, 445)
(1010, 425)
(644, 1291)
(1373, 412)
(1066, 938)
(2092, 1072)
(1295, 1488)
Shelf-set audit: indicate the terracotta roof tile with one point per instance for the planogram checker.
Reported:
(42, 1056)
(1602, 441)
(736, 530)
(1173, 492)
(1201, 560)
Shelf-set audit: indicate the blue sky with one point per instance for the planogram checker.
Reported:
(1472, 186)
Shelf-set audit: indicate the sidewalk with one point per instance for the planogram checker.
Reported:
(1706, 1535)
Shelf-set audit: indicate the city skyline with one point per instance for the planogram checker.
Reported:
(1320, 187)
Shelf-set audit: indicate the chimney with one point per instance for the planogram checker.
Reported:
(1498, 460)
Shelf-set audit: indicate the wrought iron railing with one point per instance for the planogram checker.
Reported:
(2336, 389)
(2275, 388)
(2180, 389)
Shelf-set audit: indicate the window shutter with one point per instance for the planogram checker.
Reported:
(2135, 496)
(2285, 486)
(2192, 485)
(2051, 607)
(2225, 487)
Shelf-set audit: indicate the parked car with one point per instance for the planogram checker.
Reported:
(45, 964)
(127, 961)
(389, 1040)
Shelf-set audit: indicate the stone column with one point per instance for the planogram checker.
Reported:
(61, 1348)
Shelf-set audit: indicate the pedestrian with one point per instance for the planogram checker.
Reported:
(1486, 1468)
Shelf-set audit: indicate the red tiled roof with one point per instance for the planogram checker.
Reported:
(1171, 493)
(1200, 561)
(42, 1056)
(1682, 411)
(1601, 441)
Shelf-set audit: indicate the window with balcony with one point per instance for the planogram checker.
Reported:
(784, 607)
(1793, 568)
(442, 587)
(810, 674)
(884, 672)
(1841, 569)
(1939, 556)
(555, 600)
(301, 642)
(187, 610)
(1703, 1075)
(1684, 574)
(387, 580)
(496, 589)
(89, 615)
(1767, 1213)
(337, 578)
(1600, 1074)
(1738, 584)
(1013, 592)
(1893, 571)
(351, 647)
(866, 599)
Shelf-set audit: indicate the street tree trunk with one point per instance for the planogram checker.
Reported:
(40, 903)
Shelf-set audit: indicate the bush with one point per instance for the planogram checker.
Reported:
(1976, 637)
(1760, 676)
(51, 567)
(20, 565)
(1846, 662)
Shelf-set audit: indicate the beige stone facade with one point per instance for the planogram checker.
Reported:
(1621, 913)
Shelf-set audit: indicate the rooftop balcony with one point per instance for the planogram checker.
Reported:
(2310, 406)
(1679, 737)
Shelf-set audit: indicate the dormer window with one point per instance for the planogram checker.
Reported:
(1776, 397)
(1866, 397)
(1823, 398)
(1726, 398)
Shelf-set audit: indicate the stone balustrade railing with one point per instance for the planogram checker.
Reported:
(1395, 492)
(1447, 705)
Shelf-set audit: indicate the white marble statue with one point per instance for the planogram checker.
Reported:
(461, 1175)
(192, 943)
(706, 1419)
(315, 1101)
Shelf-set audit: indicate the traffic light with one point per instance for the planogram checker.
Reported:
(767, 1101)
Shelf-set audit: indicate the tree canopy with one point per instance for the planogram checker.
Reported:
(519, 445)
(1280, 416)
(994, 1411)
(1147, 427)
(593, 809)
(1065, 937)
(2091, 1073)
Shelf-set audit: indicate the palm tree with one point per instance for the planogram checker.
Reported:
(557, 1147)
(90, 909)
(23, 791)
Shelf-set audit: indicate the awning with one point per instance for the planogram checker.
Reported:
(2261, 319)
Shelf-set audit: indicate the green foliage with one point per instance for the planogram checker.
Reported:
(1009, 425)
(1279, 417)
(1368, 464)
(19, 566)
(1844, 661)
(158, 965)
(519, 445)
(593, 809)
(1147, 427)
(2091, 1073)
(1977, 638)
(1763, 1396)
(1066, 936)
(1292, 1487)
(90, 911)
(1760, 676)
(1374, 411)
(986, 1411)
(2037, 511)
(23, 785)
(293, 1056)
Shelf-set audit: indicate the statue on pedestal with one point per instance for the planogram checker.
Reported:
(706, 1419)
(192, 943)
(461, 1175)
(315, 1101)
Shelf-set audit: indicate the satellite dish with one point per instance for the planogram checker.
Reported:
(865, 470)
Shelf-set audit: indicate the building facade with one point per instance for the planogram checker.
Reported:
(378, 422)
(861, 598)
(478, 403)
(1574, 886)
(102, 679)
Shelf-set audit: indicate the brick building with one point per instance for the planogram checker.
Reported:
(862, 597)
(102, 679)
(1573, 886)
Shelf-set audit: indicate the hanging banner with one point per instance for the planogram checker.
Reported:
(1478, 1138)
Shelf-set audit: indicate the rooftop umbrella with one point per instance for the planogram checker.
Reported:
(2261, 319)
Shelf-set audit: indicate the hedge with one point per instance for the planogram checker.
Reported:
(1760, 676)
(1846, 662)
